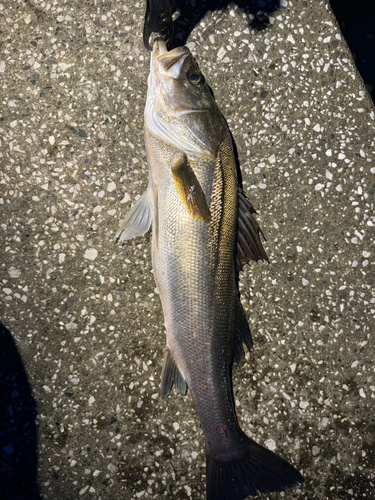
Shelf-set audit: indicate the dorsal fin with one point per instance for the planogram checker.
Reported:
(249, 245)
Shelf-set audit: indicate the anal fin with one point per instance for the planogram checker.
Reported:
(189, 189)
(242, 334)
(171, 375)
(249, 245)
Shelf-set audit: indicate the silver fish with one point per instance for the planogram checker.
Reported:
(203, 233)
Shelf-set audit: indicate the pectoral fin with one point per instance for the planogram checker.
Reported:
(249, 245)
(138, 221)
(171, 374)
(189, 189)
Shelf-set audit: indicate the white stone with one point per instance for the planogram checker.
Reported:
(111, 187)
(221, 53)
(126, 198)
(14, 273)
(188, 490)
(271, 444)
(91, 254)
(91, 400)
(64, 66)
(272, 159)
(83, 490)
(112, 468)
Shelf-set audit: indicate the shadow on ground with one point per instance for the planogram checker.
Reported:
(357, 22)
(18, 429)
(192, 11)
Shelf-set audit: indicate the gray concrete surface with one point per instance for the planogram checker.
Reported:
(84, 312)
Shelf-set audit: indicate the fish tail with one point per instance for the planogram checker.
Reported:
(255, 468)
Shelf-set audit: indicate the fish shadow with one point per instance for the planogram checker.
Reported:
(18, 428)
(193, 11)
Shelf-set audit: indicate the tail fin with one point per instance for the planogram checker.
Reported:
(257, 469)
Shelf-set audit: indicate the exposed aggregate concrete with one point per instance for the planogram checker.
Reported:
(84, 312)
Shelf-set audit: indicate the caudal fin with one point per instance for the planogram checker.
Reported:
(258, 469)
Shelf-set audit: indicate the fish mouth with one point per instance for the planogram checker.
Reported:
(169, 62)
(160, 47)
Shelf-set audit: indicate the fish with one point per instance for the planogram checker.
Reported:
(203, 233)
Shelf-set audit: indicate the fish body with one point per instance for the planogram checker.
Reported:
(203, 232)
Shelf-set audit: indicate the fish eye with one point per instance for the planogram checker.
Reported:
(196, 78)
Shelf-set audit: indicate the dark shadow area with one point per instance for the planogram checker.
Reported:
(357, 23)
(18, 429)
(192, 11)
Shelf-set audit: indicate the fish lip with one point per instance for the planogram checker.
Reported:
(160, 47)
(169, 62)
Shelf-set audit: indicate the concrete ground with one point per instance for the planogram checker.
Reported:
(83, 312)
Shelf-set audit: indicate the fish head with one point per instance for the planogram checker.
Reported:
(180, 108)
(180, 84)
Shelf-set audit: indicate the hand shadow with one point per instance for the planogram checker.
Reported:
(192, 11)
(18, 428)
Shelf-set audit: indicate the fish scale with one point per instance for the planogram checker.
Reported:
(203, 233)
